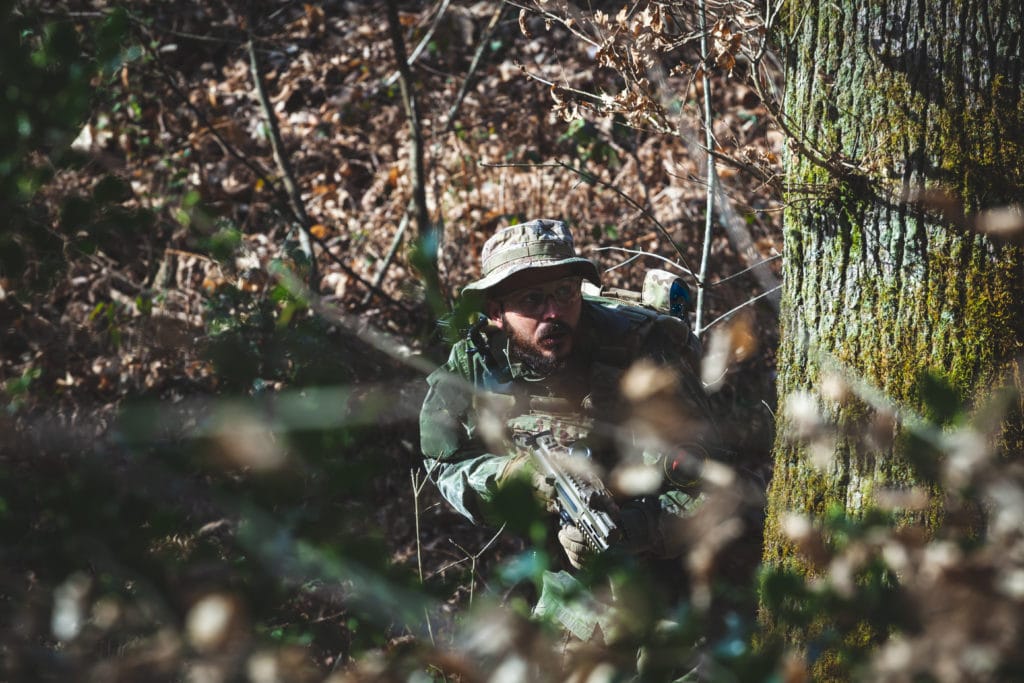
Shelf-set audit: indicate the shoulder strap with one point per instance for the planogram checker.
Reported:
(622, 330)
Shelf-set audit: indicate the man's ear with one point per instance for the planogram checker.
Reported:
(492, 309)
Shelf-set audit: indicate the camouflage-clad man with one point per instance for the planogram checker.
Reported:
(552, 359)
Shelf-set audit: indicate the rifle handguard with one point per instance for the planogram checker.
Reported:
(578, 499)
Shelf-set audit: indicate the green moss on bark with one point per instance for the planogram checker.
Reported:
(901, 293)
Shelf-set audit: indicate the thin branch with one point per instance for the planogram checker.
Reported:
(203, 120)
(390, 81)
(449, 126)
(416, 490)
(625, 263)
(485, 39)
(578, 19)
(668, 261)
(746, 270)
(562, 88)
(742, 242)
(735, 227)
(473, 559)
(378, 280)
(405, 83)
(594, 179)
(260, 173)
(746, 303)
(283, 164)
(709, 206)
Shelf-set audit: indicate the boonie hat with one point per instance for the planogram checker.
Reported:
(541, 243)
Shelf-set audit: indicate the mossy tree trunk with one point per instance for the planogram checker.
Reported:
(894, 101)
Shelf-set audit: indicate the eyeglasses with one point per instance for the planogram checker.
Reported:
(531, 301)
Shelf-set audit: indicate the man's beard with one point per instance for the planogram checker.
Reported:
(527, 352)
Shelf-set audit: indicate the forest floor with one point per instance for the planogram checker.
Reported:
(186, 315)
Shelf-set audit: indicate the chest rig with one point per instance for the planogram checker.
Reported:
(581, 404)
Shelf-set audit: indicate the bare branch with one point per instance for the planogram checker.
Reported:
(709, 206)
(644, 253)
(743, 305)
(746, 270)
(283, 164)
(422, 44)
(589, 177)
(412, 116)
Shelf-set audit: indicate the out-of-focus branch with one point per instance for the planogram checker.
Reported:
(422, 44)
(424, 227)
(283, 164)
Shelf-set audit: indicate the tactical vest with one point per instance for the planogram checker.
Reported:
(619, 333)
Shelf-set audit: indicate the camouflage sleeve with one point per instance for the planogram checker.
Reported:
(453, 454)
(468, 483)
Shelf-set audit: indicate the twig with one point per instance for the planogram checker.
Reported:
(634, 257)
(417, 489)
(638, 253)
(257, 170)
(205, 122)
(742, 305)
(592, 178)
(709, 142)
(378, 280)
(473, 558)
(414, 475)
(572, 26)
(416, 138)
(287, 177)
(632, 202)
(390, 81)
(739, 236)
(485, 39)
(747, 270)
(449, 126)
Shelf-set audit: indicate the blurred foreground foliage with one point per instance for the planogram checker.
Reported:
(50, 70)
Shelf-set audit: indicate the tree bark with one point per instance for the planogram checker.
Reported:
(913, 116)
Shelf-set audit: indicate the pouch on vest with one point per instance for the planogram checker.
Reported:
(663, 292)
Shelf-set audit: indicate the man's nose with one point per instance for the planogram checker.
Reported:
(552, 309)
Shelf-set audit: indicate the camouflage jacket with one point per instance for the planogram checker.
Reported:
(470, 409)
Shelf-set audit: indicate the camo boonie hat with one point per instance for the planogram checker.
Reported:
(541, 243)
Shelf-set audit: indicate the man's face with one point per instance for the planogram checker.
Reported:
(539, 310)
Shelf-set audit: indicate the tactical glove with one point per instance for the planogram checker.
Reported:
(575, 546)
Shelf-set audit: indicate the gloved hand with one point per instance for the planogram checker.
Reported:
(521, 466)
(575, 546)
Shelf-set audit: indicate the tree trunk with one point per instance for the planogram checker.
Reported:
(911, 119)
